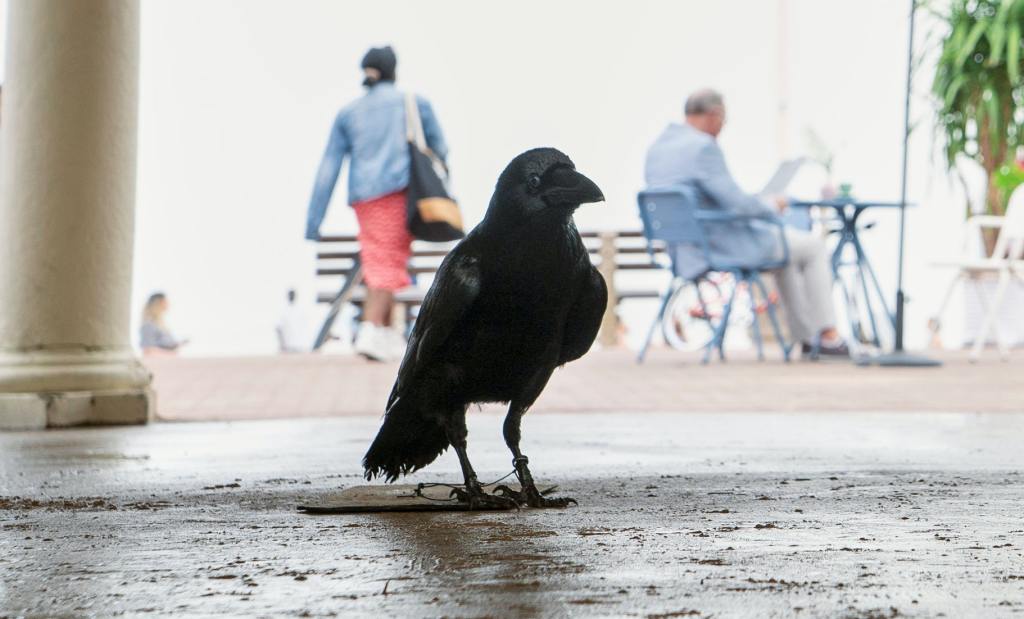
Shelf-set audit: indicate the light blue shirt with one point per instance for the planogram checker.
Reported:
(371, 133)
(152, 335)
(685, 155)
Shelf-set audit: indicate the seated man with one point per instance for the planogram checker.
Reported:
(689, 154)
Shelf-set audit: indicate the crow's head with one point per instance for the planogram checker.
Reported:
(542, 181)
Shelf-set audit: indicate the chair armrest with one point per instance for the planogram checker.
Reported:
(985, 221)
(974, 224)
(709, 215)
(769, 218)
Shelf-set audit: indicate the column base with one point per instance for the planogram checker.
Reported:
(47, 388)
(37, 411)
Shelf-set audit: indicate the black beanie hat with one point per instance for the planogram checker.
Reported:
(382, 59)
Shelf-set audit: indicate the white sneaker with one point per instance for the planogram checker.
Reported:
(395, 342)
(371, 342)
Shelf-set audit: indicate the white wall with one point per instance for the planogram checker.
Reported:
(238, 96)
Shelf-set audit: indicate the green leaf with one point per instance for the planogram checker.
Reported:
(956, 40)
(996, 38)
(1012, 10)
(1004, 9)
(954, 89)
(970, 44)
(1013, 54)
(1008, 177)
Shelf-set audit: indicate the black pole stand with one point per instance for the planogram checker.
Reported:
(899, 357)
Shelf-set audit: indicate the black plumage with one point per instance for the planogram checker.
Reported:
(515, 299)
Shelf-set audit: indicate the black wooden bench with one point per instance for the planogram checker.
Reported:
(618, 254)
(337, 261)
(615, 253)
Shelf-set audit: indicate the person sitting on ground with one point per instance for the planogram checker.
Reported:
(154, 336)
(689, 153)
(371, 132)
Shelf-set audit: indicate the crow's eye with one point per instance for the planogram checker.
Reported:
(533, 182)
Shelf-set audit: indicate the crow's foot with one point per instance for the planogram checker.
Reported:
(478, 499)
(543, 501)
(532, 497)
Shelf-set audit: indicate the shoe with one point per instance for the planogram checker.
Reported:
(838, 350)
(394, 341)
(371, 342)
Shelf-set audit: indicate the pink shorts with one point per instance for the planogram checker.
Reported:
(385, 243)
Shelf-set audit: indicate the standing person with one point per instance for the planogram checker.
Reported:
(689, 153)
(154, 336)
(371, 132)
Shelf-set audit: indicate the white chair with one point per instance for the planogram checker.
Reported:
(974, 181)
(1006, 262)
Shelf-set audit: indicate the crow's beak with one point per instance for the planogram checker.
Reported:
(575, 189)
(587, 190)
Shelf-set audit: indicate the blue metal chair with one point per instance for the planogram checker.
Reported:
(673, 216)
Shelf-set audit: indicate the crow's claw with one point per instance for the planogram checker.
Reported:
(515, 495)
(478, 499)
(538, 498)
(542, 501)
(532, 497)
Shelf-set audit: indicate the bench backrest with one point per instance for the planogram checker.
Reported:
(337, 253)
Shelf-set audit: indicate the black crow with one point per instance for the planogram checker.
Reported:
(515, 299)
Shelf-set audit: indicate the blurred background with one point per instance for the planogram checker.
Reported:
(237, 99)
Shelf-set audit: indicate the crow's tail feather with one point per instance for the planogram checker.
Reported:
(407, 441)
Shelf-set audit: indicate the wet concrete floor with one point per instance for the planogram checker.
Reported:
(691, 515)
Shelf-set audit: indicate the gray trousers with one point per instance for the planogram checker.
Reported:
(805, 285)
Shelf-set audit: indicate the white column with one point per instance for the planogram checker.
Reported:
(67, 199)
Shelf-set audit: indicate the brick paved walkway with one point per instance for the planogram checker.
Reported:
(604, 381)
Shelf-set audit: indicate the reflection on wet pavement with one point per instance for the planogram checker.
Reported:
(680, 516)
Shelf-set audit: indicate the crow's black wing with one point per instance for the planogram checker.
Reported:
(455, 287)
(584, 318)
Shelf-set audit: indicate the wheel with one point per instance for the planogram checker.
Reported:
(687, 325)
(855, 313)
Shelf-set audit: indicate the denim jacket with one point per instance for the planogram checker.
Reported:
(371, 132)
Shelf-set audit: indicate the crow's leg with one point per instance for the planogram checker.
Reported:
(529, 494)
(473, 493)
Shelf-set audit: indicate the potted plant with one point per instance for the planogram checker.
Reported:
(978, 89)
(979, 96)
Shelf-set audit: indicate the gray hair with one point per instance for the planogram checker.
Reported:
(703, 102)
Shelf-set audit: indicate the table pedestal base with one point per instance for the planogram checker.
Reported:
(899, 359)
